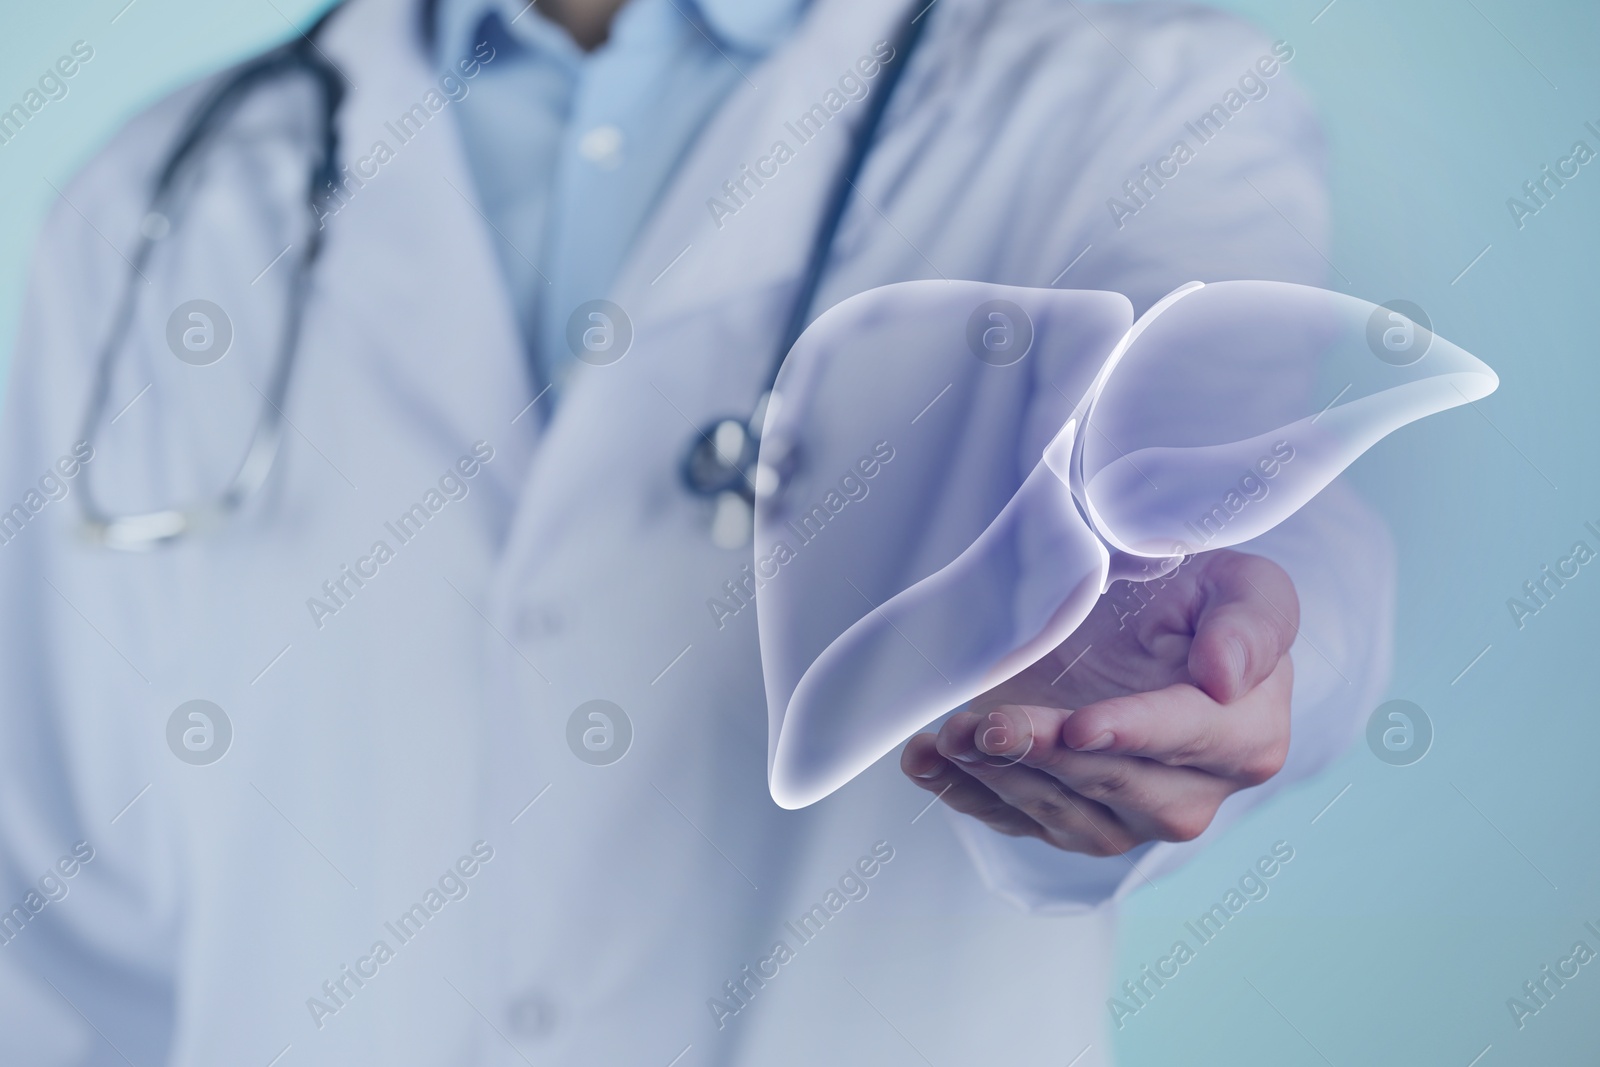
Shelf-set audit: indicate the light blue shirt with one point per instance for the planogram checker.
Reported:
(571, 150)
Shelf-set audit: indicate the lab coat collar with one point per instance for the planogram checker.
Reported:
(702, 247)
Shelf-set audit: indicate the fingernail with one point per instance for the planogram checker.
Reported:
(968, 757)
(932, 772)
(1101, 741)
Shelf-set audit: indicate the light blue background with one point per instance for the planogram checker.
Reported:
(1426, 895)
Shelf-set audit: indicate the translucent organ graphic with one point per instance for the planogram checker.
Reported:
(950, 509)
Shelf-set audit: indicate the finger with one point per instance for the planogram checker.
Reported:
(924, 765)
(1153, 800)
(1068, 821)
(1249, 615)
(1245, 741)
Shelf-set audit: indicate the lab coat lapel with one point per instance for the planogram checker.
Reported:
(409, 273)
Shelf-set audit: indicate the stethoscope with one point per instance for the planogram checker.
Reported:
(721, 461)
(145, 530)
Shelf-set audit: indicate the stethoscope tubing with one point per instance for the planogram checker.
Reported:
(706, 470)
(149, 529)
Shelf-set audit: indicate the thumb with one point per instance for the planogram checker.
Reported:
(1249, 615)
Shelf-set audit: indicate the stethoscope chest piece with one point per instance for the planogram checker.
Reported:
(720, 458)
(720, 465)
(729, 463)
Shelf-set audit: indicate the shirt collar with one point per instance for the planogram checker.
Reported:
(751, 27)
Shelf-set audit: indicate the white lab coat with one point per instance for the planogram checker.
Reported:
(372, 752)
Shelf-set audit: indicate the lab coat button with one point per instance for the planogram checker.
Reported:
(539, 621)
(531, 1015)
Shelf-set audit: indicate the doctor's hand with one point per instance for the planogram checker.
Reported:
(1169, 698)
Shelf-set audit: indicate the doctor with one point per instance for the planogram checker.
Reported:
(398, 829)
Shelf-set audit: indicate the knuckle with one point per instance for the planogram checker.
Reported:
(1106, 782)
(1182, 824)
(1118, 844)
(996, 774)
(1193, 749)
(1264, 764)
(1050, 809)
(1009, 828)
(1098, 846)
(995, 814)
(1140, 707)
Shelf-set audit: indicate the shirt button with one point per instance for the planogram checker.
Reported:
(531, 1015)
(602, 146)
